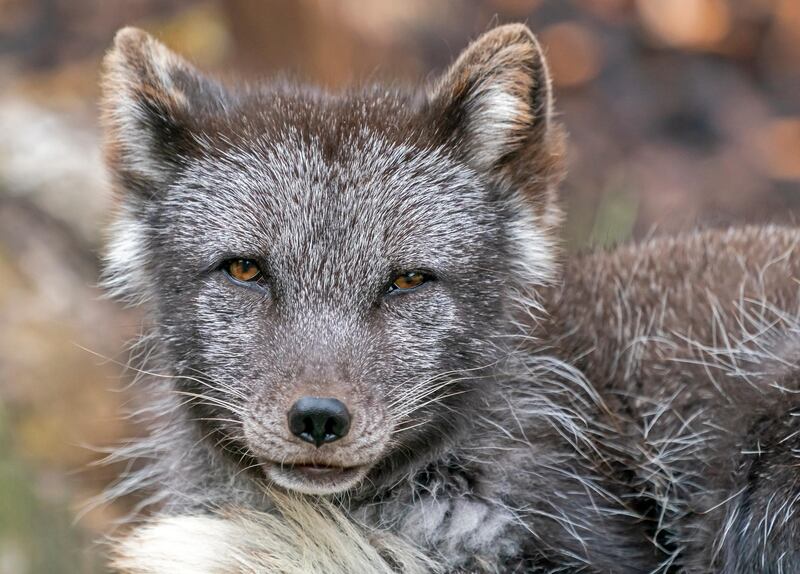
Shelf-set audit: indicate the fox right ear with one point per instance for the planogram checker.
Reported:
(151, 99)
(494, 109)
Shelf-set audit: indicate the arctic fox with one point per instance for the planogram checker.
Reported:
(364, 354)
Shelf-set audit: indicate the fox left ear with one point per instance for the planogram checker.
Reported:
(156, 109)
(496, 98)
(154, 101)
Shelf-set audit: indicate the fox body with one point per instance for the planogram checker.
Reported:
(365, 355)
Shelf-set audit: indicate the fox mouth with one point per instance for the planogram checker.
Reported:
(314, 478)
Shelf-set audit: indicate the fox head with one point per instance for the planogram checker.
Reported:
(330, 275)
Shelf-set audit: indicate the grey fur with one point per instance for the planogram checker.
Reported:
(503, 422)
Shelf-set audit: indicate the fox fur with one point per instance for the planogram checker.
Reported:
(623, 411)
(297, 537)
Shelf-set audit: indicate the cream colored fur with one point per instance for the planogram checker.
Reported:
(301, 537)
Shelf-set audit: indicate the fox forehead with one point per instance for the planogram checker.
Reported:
(286, 196)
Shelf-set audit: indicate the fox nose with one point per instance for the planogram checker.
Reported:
(319, 420)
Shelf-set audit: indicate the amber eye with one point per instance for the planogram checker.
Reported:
(243, 269)
(410, 280)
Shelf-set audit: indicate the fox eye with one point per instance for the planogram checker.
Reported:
(408, 281)
(245, 270)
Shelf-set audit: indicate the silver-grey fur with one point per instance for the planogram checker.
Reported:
(504, 422)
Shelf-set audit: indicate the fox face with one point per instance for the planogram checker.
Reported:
(330, 276)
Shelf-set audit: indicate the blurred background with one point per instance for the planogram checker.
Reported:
(681, 113)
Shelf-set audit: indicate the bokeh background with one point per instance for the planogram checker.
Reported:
(681, 112)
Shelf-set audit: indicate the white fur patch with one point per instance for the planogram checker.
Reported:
(536, 249)
(300, 537)
(495, 124)
(124, 275)
(181, 545)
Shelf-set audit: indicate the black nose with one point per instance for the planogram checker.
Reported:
(318, 421)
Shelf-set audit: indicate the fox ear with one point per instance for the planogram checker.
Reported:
(496, 98)
(151, 101)
(494, 107)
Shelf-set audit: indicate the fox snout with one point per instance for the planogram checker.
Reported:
(318, 427)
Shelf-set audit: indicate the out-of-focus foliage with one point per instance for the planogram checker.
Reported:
(680, 112)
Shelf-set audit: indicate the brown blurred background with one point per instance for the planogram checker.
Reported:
(682, 113)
